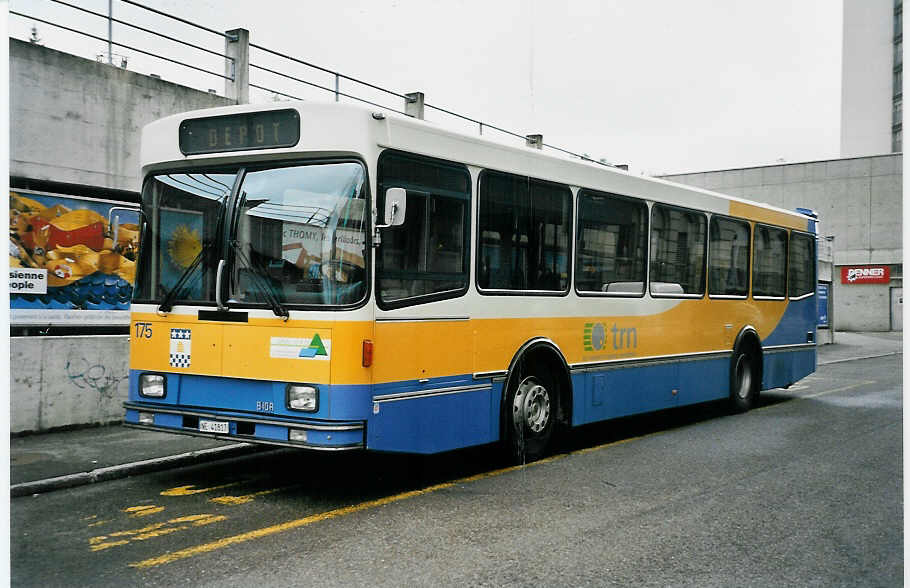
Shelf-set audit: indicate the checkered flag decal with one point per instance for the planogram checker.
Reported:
(180, 348)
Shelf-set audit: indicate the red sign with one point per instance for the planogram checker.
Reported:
(865, 274)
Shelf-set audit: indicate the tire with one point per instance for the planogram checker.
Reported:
(744, 380)
(531, 412)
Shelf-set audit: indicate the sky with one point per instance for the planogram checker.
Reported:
(666, 86)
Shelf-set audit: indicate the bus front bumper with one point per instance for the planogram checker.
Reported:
(231, 426)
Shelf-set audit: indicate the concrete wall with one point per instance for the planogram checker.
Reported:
(76, 120)
(867, 72)
(860, 204)
(62, 381)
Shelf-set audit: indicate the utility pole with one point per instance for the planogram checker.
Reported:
(110, 32)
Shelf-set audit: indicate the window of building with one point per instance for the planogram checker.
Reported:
(802, 265)
(769, 263)
(611, 244)
(426, 258)
(678, 243)
(728, 257)
(525, 227)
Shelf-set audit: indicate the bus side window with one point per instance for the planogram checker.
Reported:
(802, 265)
(728, 261)
(525, 227)
(769, 263)
(678, 245)
(610, 244)
(426, 258)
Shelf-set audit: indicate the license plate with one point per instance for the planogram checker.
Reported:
(213, 426)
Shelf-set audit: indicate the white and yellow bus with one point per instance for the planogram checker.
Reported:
(330, 277)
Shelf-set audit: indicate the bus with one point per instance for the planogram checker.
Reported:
(331, 277)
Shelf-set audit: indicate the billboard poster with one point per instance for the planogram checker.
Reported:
(822, 299)
(72, 260)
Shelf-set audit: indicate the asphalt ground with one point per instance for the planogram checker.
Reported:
(50, 461)
(804, 490)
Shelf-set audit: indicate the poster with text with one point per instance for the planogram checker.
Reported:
(72, 260)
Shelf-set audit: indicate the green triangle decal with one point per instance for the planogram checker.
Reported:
(316, 343)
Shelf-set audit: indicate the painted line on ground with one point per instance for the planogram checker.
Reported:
(890, 353)
(841, 389)
(354, 508)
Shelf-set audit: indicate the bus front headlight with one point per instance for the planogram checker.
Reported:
(303, 397)
(152, 385)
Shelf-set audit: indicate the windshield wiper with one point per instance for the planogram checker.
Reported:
(167, 303)
(264, 285)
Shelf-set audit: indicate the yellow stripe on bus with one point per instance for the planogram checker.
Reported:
(761, 214)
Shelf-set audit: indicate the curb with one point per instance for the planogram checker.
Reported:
(129, 469)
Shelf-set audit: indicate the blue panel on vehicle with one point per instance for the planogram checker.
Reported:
(432, 424)
(704, 380)
(626, 391)
(785, 368)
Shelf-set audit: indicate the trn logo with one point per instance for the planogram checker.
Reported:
(596, 339)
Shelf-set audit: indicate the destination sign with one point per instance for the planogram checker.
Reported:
(240, 132)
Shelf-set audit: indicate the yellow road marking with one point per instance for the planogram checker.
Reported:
(346, 510)
(235, 500)
(98, 523)
(191, 489)
(102, 542)
(142, 511)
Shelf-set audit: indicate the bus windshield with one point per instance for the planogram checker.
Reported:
(298, 237)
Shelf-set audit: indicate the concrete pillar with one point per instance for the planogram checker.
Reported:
(413, 104)
(535, 141)
(237, 48)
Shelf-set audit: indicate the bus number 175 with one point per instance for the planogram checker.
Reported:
(143, 330)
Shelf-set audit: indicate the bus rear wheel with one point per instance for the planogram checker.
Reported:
(532, 405)
(744, 381)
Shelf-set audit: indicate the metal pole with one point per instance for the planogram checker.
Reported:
(336, 87)
(110, 32)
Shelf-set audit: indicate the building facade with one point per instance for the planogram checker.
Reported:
(872, 82)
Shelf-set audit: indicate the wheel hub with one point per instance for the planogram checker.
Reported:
(531, 406)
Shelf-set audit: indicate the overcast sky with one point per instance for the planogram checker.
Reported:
(664, 85)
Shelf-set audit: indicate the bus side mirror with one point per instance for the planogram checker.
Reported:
(395, 205)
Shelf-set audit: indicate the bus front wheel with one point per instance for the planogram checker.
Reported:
(532, 405)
